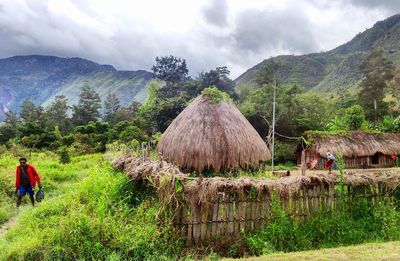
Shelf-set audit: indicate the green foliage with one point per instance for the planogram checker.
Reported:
(284, 151)
(354, 117)
(170, 69)
(87, 108)
(105, 217)
(359, 222)
(218, 78)
(63, 154)
(390, 124)
(56, 114)
(378, 70)
(338, 123)
(215, 96)
(111, 107)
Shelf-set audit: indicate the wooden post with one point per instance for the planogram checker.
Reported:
(190, 227)
(231, 224)
(215, 216)
(303, 163)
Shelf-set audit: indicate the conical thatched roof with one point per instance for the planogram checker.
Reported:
(212, 134)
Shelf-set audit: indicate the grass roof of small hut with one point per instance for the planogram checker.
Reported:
(354, 143)
(211, 133)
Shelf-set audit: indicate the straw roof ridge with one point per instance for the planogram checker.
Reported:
(215, 136)
(356, 143)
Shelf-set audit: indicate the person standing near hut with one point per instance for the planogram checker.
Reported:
(331, 159)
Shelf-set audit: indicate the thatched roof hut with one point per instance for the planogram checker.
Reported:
(212, 134)
(360, 149)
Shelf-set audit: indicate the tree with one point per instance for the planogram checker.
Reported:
(7, 132)
(31, 113)
(87, 108)
(111, 107)
(56, 114)
(355, 117)
(170, 69)
(220, 79)
(377, 70)
(269, 73)
(11, 119)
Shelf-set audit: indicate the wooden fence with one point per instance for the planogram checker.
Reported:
(230, 214)
(222, 208)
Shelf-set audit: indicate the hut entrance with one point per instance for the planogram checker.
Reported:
(375, 159)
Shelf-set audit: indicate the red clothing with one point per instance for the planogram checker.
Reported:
(32, 174)
(328, 164)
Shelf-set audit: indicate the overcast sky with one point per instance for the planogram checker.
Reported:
(207, 33)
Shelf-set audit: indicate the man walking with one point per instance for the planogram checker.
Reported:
(26, 179)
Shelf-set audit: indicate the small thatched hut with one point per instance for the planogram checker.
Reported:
(360, 149)
(211, 133)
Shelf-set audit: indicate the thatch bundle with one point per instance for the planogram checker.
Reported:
(203, 190)
(141, 168)
(357, 144)
(212, 135)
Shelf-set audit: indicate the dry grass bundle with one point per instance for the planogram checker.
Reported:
(388, 180)
(201, 191)
(142, 168)
(357, 144)
(209, 135)
(164, 178)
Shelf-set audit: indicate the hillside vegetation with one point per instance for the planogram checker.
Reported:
(337, 69)
(40, 78)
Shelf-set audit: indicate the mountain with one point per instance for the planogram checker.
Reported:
(40, 78)
(336, 69)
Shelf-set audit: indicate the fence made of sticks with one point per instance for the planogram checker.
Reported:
(222, 208)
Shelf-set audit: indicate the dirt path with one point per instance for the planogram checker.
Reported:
(6, 226)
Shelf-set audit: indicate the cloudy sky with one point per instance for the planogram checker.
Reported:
(207, 33)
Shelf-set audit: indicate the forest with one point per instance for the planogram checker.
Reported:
(91, 124)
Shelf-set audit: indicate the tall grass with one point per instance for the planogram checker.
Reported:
(359, 222)
(103, 217)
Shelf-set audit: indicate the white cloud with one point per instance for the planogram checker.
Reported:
(129, 34)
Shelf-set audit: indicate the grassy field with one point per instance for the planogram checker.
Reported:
(93, 212)
(90, 212)
(56, 178)
(371, 251)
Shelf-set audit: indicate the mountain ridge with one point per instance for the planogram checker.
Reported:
(335, 69)
(41, 77)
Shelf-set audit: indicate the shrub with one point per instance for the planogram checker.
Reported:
(358, 222)
(63, 154)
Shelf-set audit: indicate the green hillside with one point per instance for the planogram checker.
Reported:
(41, 78)
(337, 68)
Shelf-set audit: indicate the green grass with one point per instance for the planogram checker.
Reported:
(91, 212)
(370, 251)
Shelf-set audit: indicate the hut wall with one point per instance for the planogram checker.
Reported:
(384, 161)
(229, 214)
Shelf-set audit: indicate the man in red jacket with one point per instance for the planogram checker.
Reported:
(26, 179)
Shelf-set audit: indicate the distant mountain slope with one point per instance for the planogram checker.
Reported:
(338, 68)
(40, 78)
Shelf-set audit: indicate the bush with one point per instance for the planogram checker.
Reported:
(63, 154)
(359, 222)
(284, 152)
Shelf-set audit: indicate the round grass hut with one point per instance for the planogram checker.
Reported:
(211, 133)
